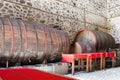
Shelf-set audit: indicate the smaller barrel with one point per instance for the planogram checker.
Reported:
(101, 40)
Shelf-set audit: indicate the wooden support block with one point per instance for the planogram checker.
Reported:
(104, 63)
(101, 62)
(90, 64)
(79, 62)
(87, 64)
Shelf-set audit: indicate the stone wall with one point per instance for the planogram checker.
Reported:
(113, 10)
(67, 15)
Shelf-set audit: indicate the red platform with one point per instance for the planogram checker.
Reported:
(29, 74)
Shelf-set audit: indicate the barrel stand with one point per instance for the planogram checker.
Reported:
(71, 58)
(82, 57)
(96, 56)
(110, 55)
(102, 56)
(89, 59)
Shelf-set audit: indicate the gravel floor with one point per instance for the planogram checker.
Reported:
(107, 74)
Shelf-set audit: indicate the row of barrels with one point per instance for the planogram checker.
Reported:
(25, 42)
(97, 40)
(22, 41)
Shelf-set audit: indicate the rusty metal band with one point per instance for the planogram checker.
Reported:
(64, 42)
(57, 38)
(20, 30)
(50, 40)
(26, 37)
(45, 35)
(3, 37)
(67, 42)
(61, 40)
(12, 33)
(58, 44)
(54, 55)
(34, 27)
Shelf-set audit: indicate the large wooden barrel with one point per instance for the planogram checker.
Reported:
(101, 40)
(30, 42)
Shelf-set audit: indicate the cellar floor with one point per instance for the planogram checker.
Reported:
(106, 74)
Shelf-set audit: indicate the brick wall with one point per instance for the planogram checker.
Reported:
(113, 10)
(67, 15)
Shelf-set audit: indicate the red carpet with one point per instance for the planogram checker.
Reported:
(29, 74)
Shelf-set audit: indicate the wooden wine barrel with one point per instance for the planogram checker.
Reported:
(30, 42)
(101, 40)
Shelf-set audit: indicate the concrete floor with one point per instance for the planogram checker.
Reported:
(107, 74)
